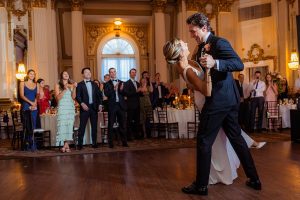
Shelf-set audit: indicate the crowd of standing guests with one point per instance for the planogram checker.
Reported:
(127, 104)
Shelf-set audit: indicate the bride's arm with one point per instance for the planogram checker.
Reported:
(195, 81)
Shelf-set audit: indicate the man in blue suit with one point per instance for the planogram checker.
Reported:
(221, 108)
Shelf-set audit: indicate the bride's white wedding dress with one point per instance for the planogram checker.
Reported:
(224, 161)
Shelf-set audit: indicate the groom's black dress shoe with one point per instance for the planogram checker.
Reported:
(254, 184)
(194, 189)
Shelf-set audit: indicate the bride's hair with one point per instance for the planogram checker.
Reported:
(172, 50)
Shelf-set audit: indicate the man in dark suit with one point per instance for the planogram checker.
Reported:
(89, 98)
(159, 92)
(114, 90)
(221, 108)
(132, 92)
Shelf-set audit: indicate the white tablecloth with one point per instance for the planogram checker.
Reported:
(48, 122)
(180, 116)
(285, 114)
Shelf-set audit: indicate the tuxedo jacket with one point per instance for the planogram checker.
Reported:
(224, 90)
(110, 93)
(155, 93)
(133, 97)
(82, 95)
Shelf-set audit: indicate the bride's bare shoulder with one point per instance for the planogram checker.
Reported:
(195, 65)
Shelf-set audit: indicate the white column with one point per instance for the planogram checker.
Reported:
(52, 42)
(77, 40)
(39, 46)
(160, 39)
(7, 64)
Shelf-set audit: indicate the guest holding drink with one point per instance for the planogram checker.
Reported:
(43, 97)
(28, 93)
(65, 93)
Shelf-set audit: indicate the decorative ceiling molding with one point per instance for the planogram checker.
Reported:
(76, 5)
(256, 54)
(18, 8)
(95, 32)
(159, 5)
(39, 3)
(209, 7)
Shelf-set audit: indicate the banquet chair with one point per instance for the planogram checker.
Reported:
(104, 128)
(150, 124)
(192, 127)
(4, 123)
(34, 137)
(18, 130)
(164, 126)
(274, 119)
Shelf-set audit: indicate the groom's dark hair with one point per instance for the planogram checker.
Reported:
(200, 20)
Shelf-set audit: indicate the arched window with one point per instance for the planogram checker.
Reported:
(118, 53)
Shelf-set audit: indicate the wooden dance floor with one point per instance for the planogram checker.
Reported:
(144, 175)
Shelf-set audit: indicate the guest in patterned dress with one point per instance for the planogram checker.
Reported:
(65, 92)
(43, 97)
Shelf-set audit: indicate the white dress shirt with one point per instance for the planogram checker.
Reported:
(134, 83)
(259, 90)
(88, 85)
(115, 82)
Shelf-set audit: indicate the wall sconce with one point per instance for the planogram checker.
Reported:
(294, 62)
(21, 73)
(117, 27)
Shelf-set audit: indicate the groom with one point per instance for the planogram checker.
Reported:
(221, 108)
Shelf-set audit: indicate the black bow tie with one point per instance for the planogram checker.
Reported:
(88, 81)
(115, 80)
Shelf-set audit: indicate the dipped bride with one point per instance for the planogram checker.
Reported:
(224, 161)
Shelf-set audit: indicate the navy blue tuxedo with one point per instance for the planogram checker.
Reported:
(221, 110)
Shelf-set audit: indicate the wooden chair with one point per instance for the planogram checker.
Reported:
(18, 130)
(274, 119)
(192, 127)
(4, 123)
(150, 124)
(104, 128)
(164, 126)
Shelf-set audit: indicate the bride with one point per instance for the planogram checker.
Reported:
(224, 161)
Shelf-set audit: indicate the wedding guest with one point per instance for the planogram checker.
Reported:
(114, 90)
(90, 100)
(172, 93)
(97, 83)
(283, 89)
(271, 94)
(132, 91)
(43, 97)
(28, 93)
(257, 101)
(65, 93)
(145, 106)
(145, 75)
(159, 92)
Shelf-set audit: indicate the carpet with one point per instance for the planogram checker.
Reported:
(6, 151)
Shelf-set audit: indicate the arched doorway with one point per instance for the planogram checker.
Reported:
(120, 53)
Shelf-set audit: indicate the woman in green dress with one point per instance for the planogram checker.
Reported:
(65, 92)
(145, 103)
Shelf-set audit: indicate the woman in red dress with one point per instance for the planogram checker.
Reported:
(44, 97)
